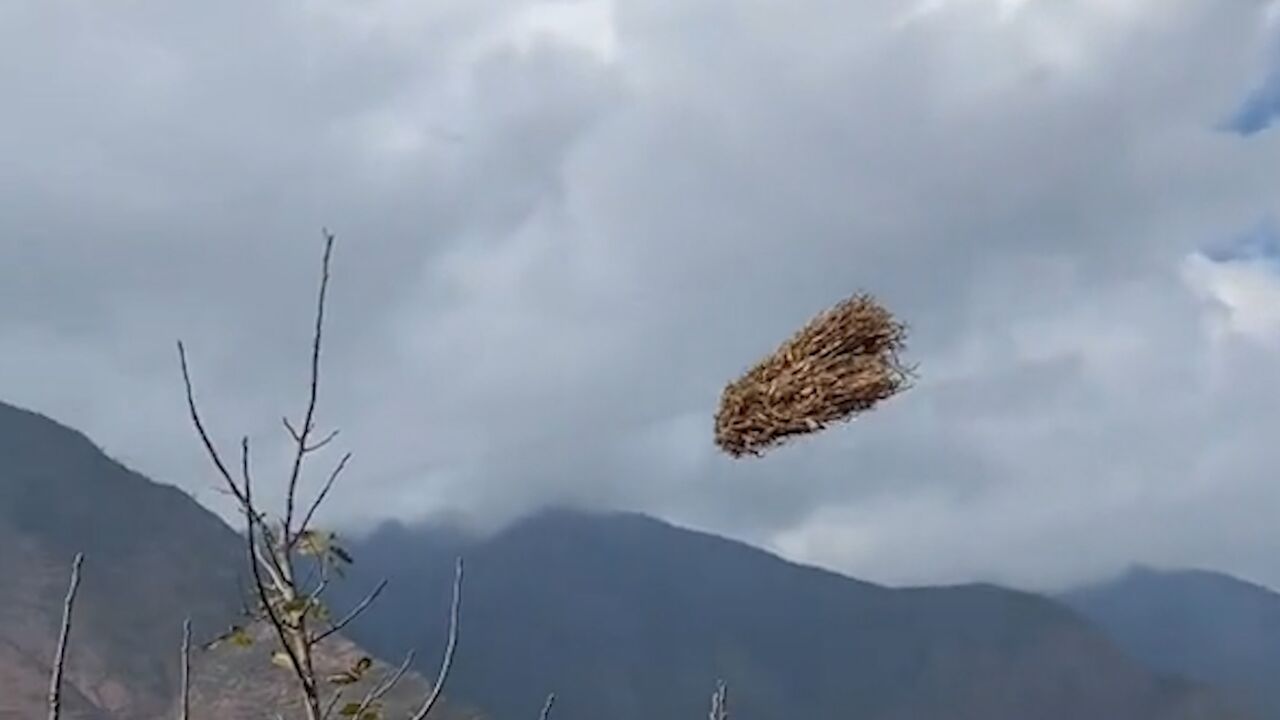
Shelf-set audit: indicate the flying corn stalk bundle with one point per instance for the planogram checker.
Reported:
(842, 363)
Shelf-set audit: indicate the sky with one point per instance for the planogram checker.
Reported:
(564, 225)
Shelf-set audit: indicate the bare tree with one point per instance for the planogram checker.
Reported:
(280, 549)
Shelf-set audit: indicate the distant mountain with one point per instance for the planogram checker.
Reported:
(1203, 625)
(628, 618)
(152, 557)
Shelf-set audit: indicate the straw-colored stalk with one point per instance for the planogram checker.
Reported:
(842, 363)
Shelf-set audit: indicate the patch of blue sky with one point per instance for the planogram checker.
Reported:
(1259, 244)
(1260, 109)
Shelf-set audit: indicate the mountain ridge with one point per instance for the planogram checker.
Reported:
(629, 617)
(1203, 624)
(620, 614)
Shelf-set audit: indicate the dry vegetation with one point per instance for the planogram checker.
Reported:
(842, 363)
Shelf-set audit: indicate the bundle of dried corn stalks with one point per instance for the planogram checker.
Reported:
(842, 363)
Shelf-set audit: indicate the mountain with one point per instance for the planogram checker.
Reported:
(628, 618)
(153, 556)
(1203, 625)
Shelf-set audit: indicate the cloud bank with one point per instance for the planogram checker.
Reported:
(564, 225)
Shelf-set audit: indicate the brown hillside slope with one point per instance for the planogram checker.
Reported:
(153, 556)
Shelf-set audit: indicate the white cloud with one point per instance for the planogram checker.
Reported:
(1243, 296)
(584, 23)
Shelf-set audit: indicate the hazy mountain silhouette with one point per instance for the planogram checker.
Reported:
(623, 616)
(628, 618)
(1203, 625)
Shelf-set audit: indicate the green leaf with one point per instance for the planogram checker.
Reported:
(240, 637)
(373, 712)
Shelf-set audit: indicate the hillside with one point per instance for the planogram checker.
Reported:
(629, 618)
(1203, 625)
(153, 557)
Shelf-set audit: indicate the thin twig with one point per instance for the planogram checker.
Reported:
(546, 708)
(184, 700)
(308, 421)
(319, 444)
(209, 447)
(355, 613)
(385, 686)
(314, 597)
(324, 492)
(720, 702)
(279, 574)
(60, 659)
(293, 433)
(447, 663)
(333, 703)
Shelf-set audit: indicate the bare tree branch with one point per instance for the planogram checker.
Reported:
(209, 446)
(319, 444)
(60, 658)
(184, 697)
(447, 663)
(546, 708)
(276, 568)
(293, 433)
(306, 678)
(333, 703)
(324, 492)
(308, 422)
(720, 702)
(385, 686)
(267, 560)
(355, 613)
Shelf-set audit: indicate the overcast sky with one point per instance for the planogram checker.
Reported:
(564, 226)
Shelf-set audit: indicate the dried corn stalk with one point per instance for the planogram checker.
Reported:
(842, 363)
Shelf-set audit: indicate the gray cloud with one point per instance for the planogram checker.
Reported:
(556, 247)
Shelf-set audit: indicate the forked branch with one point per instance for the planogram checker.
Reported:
(302, 435)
